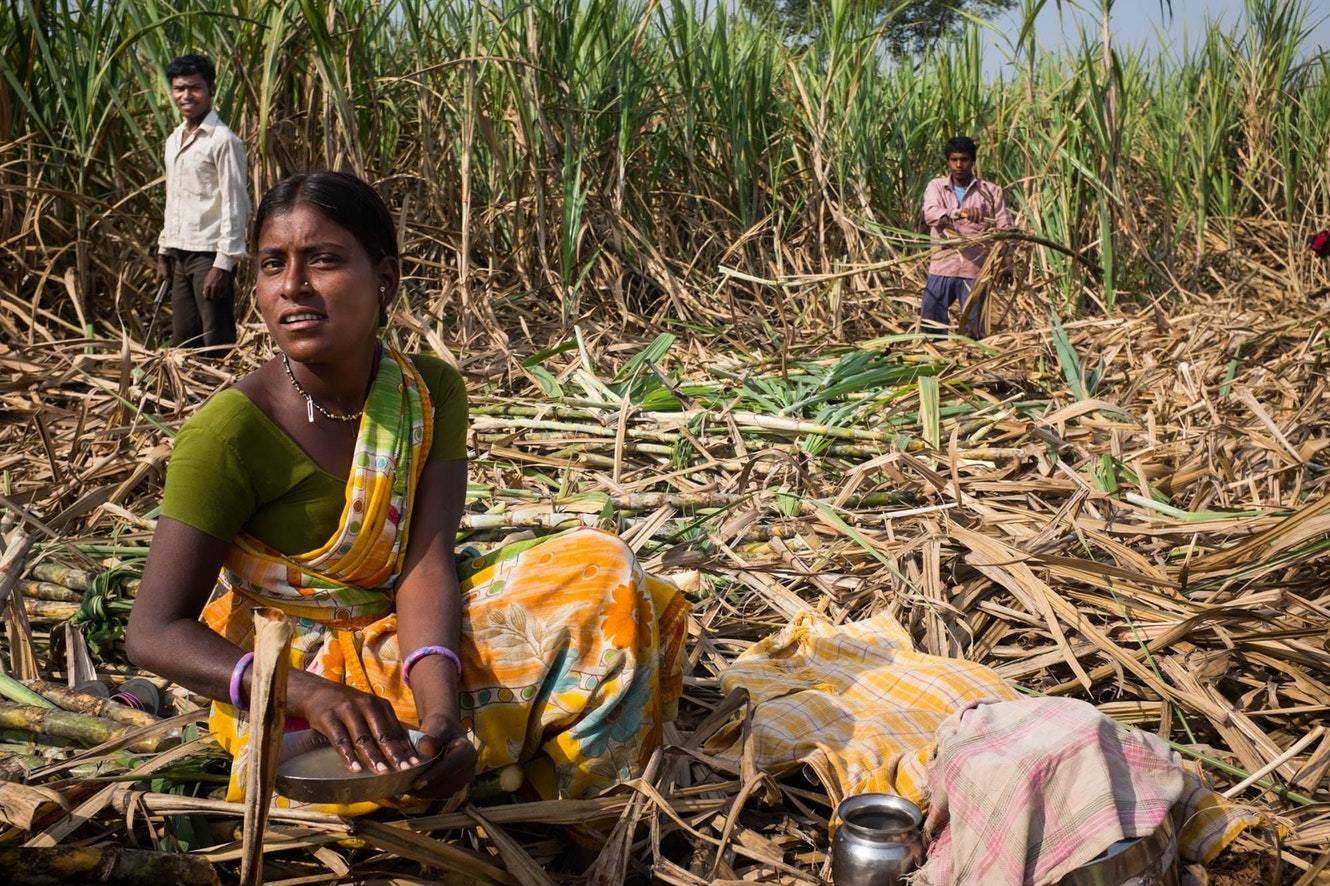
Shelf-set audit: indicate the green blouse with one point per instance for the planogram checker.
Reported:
(233, 469)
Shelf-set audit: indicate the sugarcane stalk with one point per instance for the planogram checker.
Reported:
(753, 420)
(563, 520)
(16, 692)
(82, 728)
(499, 783)
(570, 445)
(98, 549)
(79, 581)
(100, 767)
(20, 737)
(16, 549)
(48, 610)
(522, 411)
(650, 501)
(45, 590)
(488, 423)
(22, 655)
(43, 866)
(798, 426)
(1228, 768)
(267, 711)
(103, 767)
(58, 573)
(542, 520)
(115, 671)
(583, 509)
(851, 450)
(70, 700)
(974, 453)
(35, 756)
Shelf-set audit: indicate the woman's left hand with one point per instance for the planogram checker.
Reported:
(456, 764)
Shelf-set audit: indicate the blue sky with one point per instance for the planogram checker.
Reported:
(1141, 22)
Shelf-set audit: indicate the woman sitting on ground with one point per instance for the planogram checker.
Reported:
(329, 484)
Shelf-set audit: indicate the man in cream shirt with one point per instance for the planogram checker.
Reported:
(207, 210)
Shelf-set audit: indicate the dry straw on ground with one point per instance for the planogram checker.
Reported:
(1130, 507)
(1119, 510)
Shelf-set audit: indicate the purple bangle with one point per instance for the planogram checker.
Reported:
(238, 700)
(128, 700)
(421, 653)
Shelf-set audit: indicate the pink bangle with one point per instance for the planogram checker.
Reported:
(421, 653)
(238, 700)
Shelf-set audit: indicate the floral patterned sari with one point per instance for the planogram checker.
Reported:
(571, 654)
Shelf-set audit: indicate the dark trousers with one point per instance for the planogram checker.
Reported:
(940, 293)
(197, 321)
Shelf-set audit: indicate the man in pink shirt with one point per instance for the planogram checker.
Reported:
(959, 205)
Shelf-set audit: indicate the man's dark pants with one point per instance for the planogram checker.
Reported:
(940, 293)
(197, 321)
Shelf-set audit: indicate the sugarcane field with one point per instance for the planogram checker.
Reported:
(680, 441)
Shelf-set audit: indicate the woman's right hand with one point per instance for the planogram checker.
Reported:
(454, 756)
(362, 727)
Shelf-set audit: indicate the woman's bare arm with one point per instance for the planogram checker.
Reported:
(429, 605)
(429, 612)
(164, 634)
(166, 637)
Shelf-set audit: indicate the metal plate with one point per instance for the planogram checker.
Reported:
(313, 772)
(1146, 861)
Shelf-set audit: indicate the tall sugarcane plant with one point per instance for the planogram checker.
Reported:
(582, 153)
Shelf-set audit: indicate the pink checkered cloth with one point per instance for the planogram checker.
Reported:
(1022, 792)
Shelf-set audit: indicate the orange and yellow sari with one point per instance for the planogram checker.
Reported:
(571, 654)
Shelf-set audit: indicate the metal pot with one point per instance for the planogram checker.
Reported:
(878, 841)
(1143, 861)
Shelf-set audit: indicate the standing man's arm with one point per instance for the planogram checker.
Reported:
(1001, 214)
(936, 213)
(232, 182)
(163, 268)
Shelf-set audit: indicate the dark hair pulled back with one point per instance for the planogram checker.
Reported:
(344, 200)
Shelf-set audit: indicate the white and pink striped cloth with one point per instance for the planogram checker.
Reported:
(1023, 792)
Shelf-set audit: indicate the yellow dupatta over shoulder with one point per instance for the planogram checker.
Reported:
(571, 655)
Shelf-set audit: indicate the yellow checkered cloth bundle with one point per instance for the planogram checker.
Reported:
(861, 708)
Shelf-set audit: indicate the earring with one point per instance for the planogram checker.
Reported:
(383, 309)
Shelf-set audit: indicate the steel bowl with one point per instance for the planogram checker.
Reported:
(1143, 861)
(311, 770)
